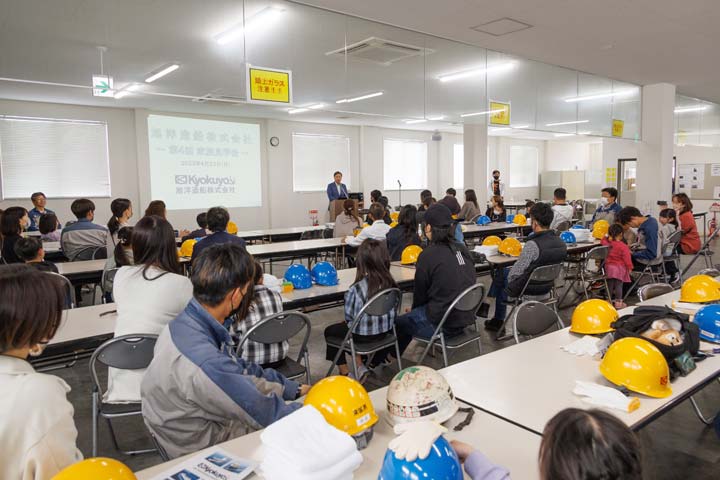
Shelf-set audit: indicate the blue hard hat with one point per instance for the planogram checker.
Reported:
(708, 320)
(441, 464)
(483, 220)
(299, 276)
(568, 237)
(577, 227)
(324, 273)
(509, 218)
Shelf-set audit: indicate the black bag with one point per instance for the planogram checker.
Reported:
(634, 324)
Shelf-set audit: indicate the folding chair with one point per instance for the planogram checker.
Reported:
(562, 226)
(652, 290)
(160, 449)
(711, 272)
(586, 276)
(468, 300)
(647, 271)
(669, 249)
(380, 304)
(107, 283)
(278, 328)
(69, 290)
(128, 352)
(533, 318)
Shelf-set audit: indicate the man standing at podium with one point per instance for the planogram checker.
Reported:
(336, 190)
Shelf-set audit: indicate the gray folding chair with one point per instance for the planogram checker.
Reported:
(128, 352)
(711, 272)
(380, 304)
(586, 276)
(277, 328)
(160, 449)
(562, 226)
(468, 300)
(648, 271)
(652, 290)
(533, 318)
(69, 289)
(669, 249)
(107, 283)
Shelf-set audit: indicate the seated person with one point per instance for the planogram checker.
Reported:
(426, 202)
(443, 270)
(646, 250)
(13, 223)
(201, 232)
(48, 226)
(385, 203)
(30, 251)
(265, 302)
(425, 194)
(375, 196)
(37, 431)
(404, 233)
(608, 208)
(217, 221)
(528, 205)
(158, 208)
(212, 395)
(377, 230)
(346, 222)
(84, 240)
(39, 201)
(562, 212)
(450, 201)
(543, 247)
(470, 208)
(496, 210)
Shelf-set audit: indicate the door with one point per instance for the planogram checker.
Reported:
(626, 181)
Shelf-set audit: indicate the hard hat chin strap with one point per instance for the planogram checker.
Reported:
(362, 439)
(469, 412)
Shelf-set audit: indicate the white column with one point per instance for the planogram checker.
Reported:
(475, 142)
(654, 166)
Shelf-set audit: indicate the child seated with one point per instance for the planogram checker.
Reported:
(265, 302)
(30, 251)
(48, 226)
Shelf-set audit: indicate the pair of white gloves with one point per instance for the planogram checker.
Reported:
(415, 439)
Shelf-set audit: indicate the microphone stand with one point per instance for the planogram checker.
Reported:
(399, 194)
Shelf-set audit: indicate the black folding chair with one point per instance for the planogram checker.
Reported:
(652, 290)
(128, 352)
(278, 328)
(69, 290)
(380, 304)
(107, 283)
(533, 318)
(670, 254)
(468, 300)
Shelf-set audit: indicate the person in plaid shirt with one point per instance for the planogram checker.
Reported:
(373, 276)
(265, 302)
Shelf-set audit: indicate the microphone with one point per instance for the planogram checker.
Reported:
(399, 184)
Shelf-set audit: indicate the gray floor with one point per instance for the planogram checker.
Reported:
(676, 446)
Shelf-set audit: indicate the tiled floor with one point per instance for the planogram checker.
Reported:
(676, 446)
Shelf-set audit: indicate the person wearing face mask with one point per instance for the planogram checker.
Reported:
(147, 295)
(496, 210)
(496, 187)
(196, 392)
(608, 208)
(37, 432)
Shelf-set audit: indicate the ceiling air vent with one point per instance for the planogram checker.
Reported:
(218, 98)
(379, 51)
(502, 26)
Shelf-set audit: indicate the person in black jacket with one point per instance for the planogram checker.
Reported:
(543, 247)
(404, 233)
(444, 269)
(201, 232)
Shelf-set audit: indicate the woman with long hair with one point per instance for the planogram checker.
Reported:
(470, 208)
(347, 221)
(121, 209)
(404, 233)
(13, 222)
(690, 240)
(496, 210)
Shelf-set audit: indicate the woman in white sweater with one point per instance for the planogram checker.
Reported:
(148, 295)
(37, 431)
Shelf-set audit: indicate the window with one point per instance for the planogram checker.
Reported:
(404, 161)
(458, 166)
(316, 158)
(523, 166)
(61, 158)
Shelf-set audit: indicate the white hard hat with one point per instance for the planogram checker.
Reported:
(419, 394)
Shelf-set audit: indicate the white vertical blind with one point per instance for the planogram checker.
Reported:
(61, 158)
(523, 166)
(316, 158)
(458, 166)
(404, 160)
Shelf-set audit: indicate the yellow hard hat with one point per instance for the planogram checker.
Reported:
(365, 225)
(510, 246)
(637, 365)
(232, 228)
(186, 249)
(393, 224)
(600, 229)
(410, 255)
(520, 219)
(96, 469)
(492, 240)
(344, 403)
(700, 289)
(394, 216)
(592, 317)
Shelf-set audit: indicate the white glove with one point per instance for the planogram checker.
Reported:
(587, 345)
(605, 396)
(415, 439)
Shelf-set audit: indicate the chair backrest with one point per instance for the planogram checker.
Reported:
(277, 328)
(328, 233)
(108, 280)
(127, 352)
(711, 272)
(468, 300)
(545, 274)
(652, 290)
(596, 255)
(311, 234)
(378, 305)
(89, 253)
(563, 226)
(69, 290)
(532, 318)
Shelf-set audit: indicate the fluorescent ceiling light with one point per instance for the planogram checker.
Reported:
(417, 120)
(557, 124)
(306, 108)
(520, 126)
(126, 90)
(474, 114)
(362, 97)
(449, 77)
(697, 108)
(600, 95)
(435, 119)
(564, 134)
(262, 18)
(162, 73)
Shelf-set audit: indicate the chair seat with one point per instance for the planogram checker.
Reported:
(291, 369)
(364, 346)
(468, 335)
(120, 408)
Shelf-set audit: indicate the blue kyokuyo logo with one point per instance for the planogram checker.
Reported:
(197, 180)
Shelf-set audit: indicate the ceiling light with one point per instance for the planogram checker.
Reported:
(474, 114)
(126, 90)
(564, 134)
(449, 77)
(263, 17)
(600, 95)
(520, 126)
(697, 108)
(418, 120)
(557, 124)
(500, 129)
(162, 73)
(305, 108)
(363, 97)
(436, 119)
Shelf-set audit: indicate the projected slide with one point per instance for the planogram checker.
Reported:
(196, 164)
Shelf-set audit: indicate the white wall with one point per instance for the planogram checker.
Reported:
(499, 158)
(687, 154)
(566, 155)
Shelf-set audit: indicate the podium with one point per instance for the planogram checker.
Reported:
(336, 208)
